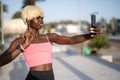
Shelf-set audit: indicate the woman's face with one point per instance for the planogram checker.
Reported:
(36, 23)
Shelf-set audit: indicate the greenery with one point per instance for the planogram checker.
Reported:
(5, 8)
(17, 15)
(29, 2)
(96, 44)
(25, 3)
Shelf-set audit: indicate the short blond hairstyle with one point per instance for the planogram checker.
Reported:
(30, 12)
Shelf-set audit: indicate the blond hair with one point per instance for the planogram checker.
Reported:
(31, 12)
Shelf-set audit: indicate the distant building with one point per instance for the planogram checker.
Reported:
(61, 28)
(14, 26)
(72, 28)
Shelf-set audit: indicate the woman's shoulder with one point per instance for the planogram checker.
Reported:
(15, 42)
(52, 34)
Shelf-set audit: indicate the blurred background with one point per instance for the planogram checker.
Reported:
(68, 17)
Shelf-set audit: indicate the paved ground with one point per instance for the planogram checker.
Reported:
(67, 66)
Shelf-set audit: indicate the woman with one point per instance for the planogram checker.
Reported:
(36, 47)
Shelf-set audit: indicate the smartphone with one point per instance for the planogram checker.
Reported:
(93, 20)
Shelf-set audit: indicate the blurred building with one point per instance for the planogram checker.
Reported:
(13, 26)
(72, 29)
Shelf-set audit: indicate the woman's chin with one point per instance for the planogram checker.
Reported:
(40, 27)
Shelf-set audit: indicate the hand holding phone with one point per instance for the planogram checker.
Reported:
(93, 22)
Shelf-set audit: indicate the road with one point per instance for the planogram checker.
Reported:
(115, 39)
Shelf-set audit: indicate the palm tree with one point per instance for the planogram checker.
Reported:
(17, 15)
(96, 44)
(25, 3)
(103, 24)
(5, 8)
(29, 2)
(113, 23)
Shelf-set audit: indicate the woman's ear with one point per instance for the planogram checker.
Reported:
(28, 23)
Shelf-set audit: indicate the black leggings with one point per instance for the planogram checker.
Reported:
(40, 75)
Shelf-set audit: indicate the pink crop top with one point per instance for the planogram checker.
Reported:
(37, 54)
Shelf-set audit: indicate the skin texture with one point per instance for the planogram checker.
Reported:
(32, 35)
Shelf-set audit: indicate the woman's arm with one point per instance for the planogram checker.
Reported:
(11, 53)
(69, 40)
(74, 39)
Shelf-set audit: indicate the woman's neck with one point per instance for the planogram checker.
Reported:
(34, 31)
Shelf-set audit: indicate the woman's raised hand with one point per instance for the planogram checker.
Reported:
(28, 37)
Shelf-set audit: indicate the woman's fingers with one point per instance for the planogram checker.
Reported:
(29, 36)
(96, 31)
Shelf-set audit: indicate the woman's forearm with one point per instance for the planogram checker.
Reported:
(7, 57)
(81, 38)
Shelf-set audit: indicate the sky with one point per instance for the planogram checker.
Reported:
(58, 10)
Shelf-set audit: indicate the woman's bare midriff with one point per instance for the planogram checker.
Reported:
(43, 67)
